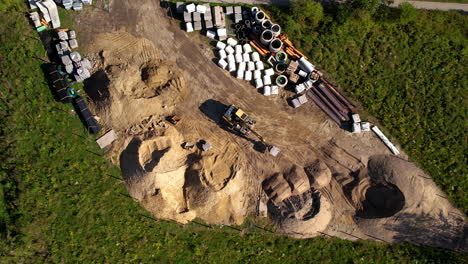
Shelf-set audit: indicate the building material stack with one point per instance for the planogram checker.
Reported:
(74, 64)
(246, 64)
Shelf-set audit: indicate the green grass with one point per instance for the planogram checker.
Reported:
(62, 202)
(407, 68)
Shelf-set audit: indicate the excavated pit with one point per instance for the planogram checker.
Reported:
(381, 200)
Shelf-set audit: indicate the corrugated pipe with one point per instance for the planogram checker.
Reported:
(276, 29)
(266, 24)
(275, 45)
(259, 17)
(266, 37)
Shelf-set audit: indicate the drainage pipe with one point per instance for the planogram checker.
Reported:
(266, 24)
(259, 17)
(276, 45)
(281, 56)
(276, 29)
(281, 81)
(266, 37)
(281, 67)
(254, 10)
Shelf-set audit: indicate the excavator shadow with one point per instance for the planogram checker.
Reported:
(214, 110)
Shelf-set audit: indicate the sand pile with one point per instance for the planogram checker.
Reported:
(399, 204)
(133, 82)
(294, 202)
(178, 184)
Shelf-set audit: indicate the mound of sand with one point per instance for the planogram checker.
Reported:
(134, 82)
(399, 205)
(178, 184)
(293, 202)
(319, 174)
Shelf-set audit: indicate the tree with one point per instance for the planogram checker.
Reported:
(408, 13)
(307, 13)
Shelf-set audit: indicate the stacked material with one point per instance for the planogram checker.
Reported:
(246, 65)
(48, 10)
(74, 4)
(197, 17)
(298, 101)
(86, 115)
(75, 65)
(59, 84)
(385, 140)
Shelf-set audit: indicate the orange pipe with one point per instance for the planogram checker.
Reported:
(260, 50)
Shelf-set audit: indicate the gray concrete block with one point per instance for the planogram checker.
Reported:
(196, 17)
(197, 25)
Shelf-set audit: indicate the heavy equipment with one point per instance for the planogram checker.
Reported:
(238, 121)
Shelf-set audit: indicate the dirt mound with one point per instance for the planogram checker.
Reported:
(400, 204)
(319, 174)
(135, 83)
(216, 169)
(178, 184)
(294, 204)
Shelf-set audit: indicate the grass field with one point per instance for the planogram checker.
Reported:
(62, 202)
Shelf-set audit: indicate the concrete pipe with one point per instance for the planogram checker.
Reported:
(275, 45)
(281, 81)
(254, 10)
(266, 24)
(266, 37)
(281, 67)
(222, 63)
(255, 56)
(238, 48)
(259, 17)
(276, 29)
(248, 76)
(239, 58)
(257, 29)
(247, 23)
(281, 56)
(220, 45)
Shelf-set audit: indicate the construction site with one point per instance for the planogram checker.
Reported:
(212, 113)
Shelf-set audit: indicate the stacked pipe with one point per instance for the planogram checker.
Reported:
(331, 101)
(86, 115)
(247, 65)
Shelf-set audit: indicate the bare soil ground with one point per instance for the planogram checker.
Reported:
(325, 180)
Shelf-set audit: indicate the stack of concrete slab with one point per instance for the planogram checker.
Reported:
(34, 16)
(74, 64)
(196, 17)
(208, 17)
(298, 101)
(49, 11)
(219, 17)
(237, 14)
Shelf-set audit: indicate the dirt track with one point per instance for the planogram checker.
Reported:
(304, 135)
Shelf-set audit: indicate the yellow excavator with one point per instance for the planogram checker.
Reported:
(240, 122)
